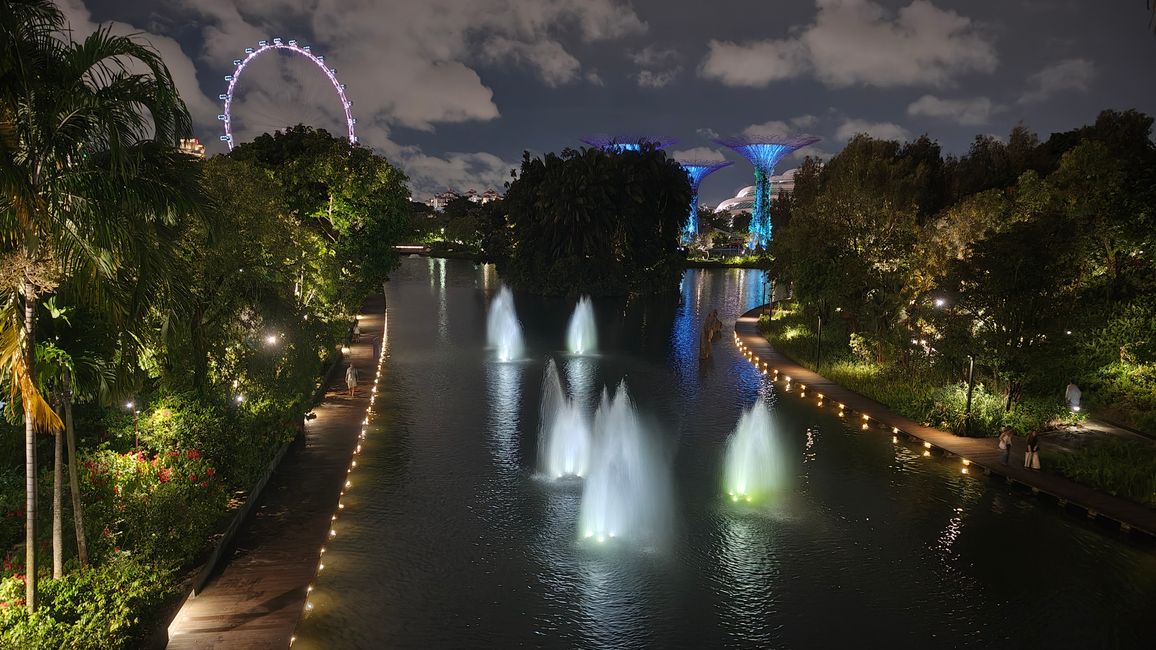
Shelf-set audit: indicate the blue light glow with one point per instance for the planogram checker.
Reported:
(764, 153)
(696, 170)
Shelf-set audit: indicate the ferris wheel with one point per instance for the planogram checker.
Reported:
(293, 48)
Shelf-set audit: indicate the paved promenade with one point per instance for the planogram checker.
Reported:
(258, 597)
(975, 455)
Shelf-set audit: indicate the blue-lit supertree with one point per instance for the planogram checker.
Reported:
(764, 152)
(620, 143)
(696, 170)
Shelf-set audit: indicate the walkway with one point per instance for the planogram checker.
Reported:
(977, 455)
(257, 599)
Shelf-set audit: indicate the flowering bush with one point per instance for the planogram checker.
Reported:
(162, 508)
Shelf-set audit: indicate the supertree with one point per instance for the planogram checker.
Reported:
(624, 142)
(696, 170)
(764, 152)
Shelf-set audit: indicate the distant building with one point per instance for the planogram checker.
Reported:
(744, 200)
(192, 147)
(439, 201)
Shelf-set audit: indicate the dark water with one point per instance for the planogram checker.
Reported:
(450, 539)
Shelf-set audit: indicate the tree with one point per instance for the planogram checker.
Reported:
(594, 221)
(352, 198)
(88, 176)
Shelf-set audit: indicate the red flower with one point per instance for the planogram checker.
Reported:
(173, 454)
(164, 475)
(204, 484)
(211, 472)
(193, 478)
(192, 454)
(106, 532)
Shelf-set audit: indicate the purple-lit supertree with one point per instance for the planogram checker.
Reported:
(764, 152)
(696, 170)
(620, 143)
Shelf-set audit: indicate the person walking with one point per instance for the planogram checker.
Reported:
(356, 330)
(1005, 443)
(376, 348)
(351, 379)
(1032, 455)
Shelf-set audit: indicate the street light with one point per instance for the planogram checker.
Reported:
(271, 339)
(135, 425)
(970, 391)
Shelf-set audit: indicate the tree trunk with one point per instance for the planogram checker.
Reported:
(73, 480)
(29, 451)
(58, 507)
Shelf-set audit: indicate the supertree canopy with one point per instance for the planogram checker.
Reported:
(623, 142)
(764, 152)
(696, 170)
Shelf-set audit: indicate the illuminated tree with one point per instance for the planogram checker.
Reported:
(764, 152)
(622, 142)
(696, 170)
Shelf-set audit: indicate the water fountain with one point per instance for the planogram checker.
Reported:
(563, 432)
(755, 469)
(627, 494)
(503, 331)
(582, 335)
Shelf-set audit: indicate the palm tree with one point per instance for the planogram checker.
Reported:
(89, 171)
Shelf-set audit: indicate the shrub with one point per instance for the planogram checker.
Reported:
(161, 508)
(1121, 467)
(109, 606)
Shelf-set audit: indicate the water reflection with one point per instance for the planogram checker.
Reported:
(752, 570)
(504, 393)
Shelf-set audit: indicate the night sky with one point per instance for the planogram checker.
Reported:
(454, 90)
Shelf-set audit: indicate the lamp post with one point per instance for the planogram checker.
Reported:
(135, 426)
(818, 342)
(970, 392)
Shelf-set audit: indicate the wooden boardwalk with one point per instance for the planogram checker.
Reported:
(975, 455)
(259, 596)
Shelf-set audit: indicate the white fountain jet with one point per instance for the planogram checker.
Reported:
(503, 331)
(563, 431)
(582, 335)
(755, 466)
(627, 494)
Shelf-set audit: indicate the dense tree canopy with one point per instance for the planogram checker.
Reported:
(593, 221)
(999, 253)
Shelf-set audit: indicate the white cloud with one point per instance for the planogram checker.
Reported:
(555, 66)
(753, 64)
(969, 112)
(408, 63)
(202, 108)
(657, 67)
(859, 42)
(699, 153)
(781, 127)
(656, 79)
(880, 130)
(653, 57)
(707, 132)
(1069, 74)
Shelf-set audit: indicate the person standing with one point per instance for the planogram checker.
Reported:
(351, 379)
(1005, 443)
(1072, 396)
(356, 330)
(376, 348)
(1032, 455)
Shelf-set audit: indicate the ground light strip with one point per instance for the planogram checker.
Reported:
(369, 413)
(866, 419)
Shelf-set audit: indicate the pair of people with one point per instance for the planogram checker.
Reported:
(1031, 454)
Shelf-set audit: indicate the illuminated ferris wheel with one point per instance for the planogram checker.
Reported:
(293, 48)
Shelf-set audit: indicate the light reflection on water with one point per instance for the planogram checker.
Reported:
(457, 543)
